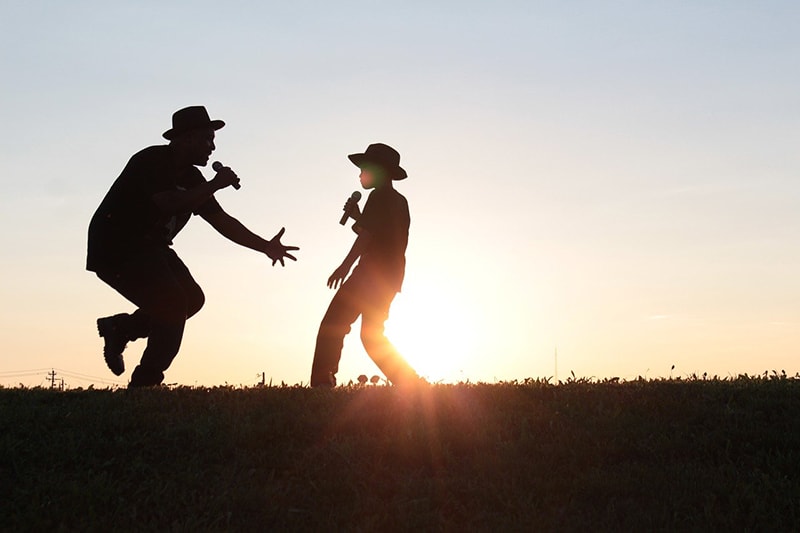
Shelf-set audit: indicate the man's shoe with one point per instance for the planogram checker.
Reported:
(115, 342)
(142, 377)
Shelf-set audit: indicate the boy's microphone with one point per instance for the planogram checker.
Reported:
(355, 197)
(217, 166)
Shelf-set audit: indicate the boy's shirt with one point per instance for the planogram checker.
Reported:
(387, 219)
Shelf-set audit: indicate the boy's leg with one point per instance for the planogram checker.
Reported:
(342, 312)
(378, 347)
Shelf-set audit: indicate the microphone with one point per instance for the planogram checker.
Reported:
(217, 166)
(355, 197)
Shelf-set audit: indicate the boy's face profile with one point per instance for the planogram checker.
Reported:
(372, 176)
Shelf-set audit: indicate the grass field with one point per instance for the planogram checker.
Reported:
(683, 454)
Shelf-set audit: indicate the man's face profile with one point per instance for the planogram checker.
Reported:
(198, 145)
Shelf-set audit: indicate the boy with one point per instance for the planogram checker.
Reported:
(382, 231)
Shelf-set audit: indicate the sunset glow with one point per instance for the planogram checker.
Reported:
(436, 329)
(619, 181)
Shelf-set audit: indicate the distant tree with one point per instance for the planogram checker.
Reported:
(374, 380)
(362, 379)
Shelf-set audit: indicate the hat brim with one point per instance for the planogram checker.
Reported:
(360, 160)
(172, 132)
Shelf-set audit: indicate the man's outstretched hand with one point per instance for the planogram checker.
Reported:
(277, 251)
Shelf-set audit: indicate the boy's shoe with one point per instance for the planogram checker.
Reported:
(116, 339)
(323, 382)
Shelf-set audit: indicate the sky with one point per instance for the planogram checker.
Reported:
(597, 188)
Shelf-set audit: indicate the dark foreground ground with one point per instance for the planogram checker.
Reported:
(645, 455)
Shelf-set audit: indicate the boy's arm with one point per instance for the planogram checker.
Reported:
(341, 272)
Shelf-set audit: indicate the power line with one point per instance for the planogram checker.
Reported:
(85, 377)
(12, 373)
(47, 374)
(21, 375)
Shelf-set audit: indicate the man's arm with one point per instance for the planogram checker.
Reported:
(361, 244)
(173, 202)
(235, 231)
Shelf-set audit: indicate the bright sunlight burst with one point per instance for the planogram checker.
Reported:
(434, 328)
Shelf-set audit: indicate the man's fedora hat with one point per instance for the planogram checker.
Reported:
(190, 118)
(383, 156)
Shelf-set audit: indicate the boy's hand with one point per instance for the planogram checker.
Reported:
(351, 208)
(338, 276)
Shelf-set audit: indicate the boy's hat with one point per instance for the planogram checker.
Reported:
(383, 156)
(190, 118)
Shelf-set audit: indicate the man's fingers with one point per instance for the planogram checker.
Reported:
(280, 258)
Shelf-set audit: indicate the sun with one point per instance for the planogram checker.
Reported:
(434, 329)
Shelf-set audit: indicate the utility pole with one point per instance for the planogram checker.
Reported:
(51, 377)
(556, 361)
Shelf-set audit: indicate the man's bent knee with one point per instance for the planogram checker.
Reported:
(195, 304)
(173, 310)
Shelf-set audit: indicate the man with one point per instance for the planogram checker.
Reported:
(382, 232)
(130, 238)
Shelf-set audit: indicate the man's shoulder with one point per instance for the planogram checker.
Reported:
(150, 161)
(152, 154)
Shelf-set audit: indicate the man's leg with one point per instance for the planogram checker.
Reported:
(116, 331)
(378, 347)
(166, 294)
(342, 312)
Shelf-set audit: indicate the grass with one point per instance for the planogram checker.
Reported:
(678, 454)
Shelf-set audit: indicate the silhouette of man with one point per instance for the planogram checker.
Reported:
(130, 238)
(380, 246)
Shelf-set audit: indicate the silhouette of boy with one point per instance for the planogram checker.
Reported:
(380, 247)
(130, 238)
